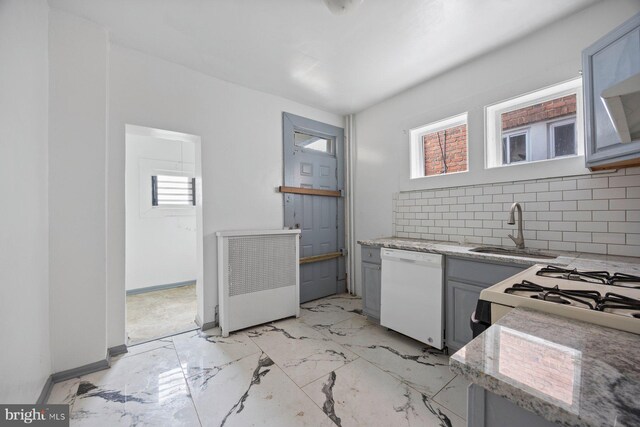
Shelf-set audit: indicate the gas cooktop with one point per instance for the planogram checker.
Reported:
(607, 298)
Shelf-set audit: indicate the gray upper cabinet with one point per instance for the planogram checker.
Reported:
(465, 279)
(611, 81)
(371, 281)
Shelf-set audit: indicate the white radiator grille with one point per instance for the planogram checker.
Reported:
(259, 263)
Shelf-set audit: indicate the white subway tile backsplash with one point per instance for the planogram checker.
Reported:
(562, 246)
(576, 195)
(592, 226)
(615, 238)
(493, 189)
(609, 215)
(624, 227)
(562, 185)
(549, 216)
(633, 192)
(633, 216)
(633, 239)
(549, 196)
(563, 206)
(593, 205)
(624, 181)
(593, 183)
(572, 236)
(609, 193)
(598, 213)
(536, 206)
(595, 248)
(626, 250)
(513, 188)
(536, 187)
(524, 197)
(629, 204)
(576, 216)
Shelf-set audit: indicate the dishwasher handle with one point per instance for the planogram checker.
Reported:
(422, 258)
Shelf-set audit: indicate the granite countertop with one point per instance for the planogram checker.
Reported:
(629, 265)
(569, 372)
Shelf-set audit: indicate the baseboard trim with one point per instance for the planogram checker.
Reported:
(82, 370)
(204, 326)
(117, 350)
(46, 391)
(160, 287)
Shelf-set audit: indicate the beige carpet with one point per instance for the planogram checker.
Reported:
(160, 313)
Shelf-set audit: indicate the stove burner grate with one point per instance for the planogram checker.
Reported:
(595, 277)
(590, 299)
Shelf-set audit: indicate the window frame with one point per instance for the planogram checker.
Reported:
(551, 136)
(493, 121)
(416, 140)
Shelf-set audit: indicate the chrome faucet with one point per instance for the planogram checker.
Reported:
(519, 240)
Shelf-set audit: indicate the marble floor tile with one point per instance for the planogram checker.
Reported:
(328, 311)
(203, 354)
(64, 392)
(331, 366)
(253, 391)
(422, 367)
(360, 394)
(145, 389)
(302, 352)
(453, 396)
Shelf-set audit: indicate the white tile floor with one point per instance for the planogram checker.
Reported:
(330, 366)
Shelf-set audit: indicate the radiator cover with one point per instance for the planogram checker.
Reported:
(258, 277)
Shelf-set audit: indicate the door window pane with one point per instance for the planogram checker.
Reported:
(315, 143)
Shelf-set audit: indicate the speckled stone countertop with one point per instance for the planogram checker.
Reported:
(629, 265)
(569, 372)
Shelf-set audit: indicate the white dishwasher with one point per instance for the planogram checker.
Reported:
(412, 298)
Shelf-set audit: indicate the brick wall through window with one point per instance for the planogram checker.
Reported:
(451, 142)
(555, 108)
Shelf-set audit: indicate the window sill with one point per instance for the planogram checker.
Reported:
(529, 171)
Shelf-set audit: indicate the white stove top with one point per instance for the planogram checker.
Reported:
(513, 292)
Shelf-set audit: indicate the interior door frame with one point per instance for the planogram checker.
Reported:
(292, 123)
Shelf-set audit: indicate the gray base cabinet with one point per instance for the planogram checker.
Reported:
(485, 409)
(465, 279)
(371, 278)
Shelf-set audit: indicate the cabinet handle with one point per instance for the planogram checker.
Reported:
(379, 268)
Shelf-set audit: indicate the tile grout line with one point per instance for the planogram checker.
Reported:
(184, 376)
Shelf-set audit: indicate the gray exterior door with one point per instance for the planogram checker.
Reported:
(313, 158)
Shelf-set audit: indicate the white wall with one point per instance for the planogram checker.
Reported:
(25, 360)
(160, 242)
(241, 131)
(549, 56)
(77, 129)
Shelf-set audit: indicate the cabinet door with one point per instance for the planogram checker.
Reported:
(461, 302)
(371, 289)
(610, 61)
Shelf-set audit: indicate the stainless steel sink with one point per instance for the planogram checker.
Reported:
(523, 253)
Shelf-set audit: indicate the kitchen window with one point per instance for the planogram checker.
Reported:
(439, 148)
(542, 125)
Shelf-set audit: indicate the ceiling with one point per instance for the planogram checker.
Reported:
(298, 50)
